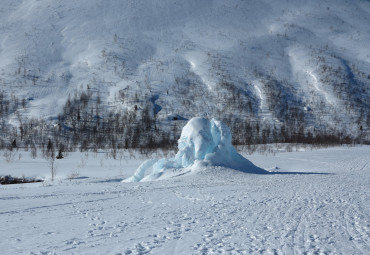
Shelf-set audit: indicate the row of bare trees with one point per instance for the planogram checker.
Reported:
(86, 124)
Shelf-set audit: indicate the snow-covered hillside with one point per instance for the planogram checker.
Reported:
(258, 60)
(317, 202)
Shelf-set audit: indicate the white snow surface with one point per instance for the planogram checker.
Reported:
(202, 142)
(215, 210)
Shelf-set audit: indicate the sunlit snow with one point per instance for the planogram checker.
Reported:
(202, 142)
(213, 211)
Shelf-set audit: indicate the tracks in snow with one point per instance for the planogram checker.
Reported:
(212, 211)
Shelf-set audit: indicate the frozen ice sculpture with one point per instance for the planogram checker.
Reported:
(202, 141)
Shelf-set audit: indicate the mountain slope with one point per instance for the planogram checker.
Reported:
(261, 61)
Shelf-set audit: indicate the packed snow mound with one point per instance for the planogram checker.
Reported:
(202, 143)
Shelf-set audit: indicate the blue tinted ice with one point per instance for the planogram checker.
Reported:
(201, 140)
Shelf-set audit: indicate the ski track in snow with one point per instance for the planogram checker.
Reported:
(211, 211)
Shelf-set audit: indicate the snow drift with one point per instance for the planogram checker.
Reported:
(202, 143)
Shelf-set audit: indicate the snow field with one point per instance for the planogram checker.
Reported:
(212, 210)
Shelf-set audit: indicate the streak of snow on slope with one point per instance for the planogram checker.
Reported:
(301, 67)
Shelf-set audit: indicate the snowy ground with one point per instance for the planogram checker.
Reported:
(210, 211)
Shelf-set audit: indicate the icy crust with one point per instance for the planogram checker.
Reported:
(204, 142)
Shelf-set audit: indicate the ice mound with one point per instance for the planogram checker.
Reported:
(203, 142)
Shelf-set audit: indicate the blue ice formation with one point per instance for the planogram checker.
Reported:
(203, 141)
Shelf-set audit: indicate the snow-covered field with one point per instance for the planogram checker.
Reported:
(316, 203)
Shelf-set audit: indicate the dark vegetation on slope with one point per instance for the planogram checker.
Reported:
(86, 124)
